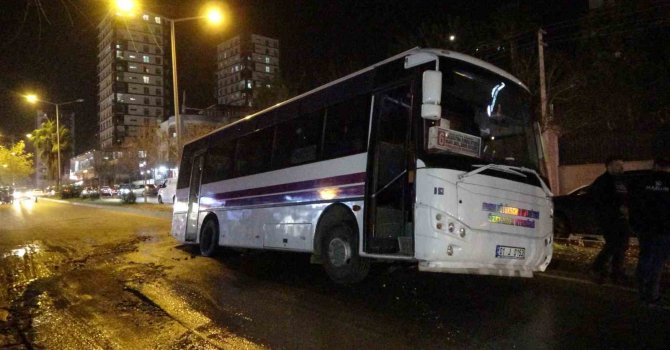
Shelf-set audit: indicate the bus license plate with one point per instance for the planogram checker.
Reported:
(506, 252)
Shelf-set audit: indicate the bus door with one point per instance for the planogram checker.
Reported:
(389, 222)
(194, 197)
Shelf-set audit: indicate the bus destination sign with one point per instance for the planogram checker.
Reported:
(454, 141)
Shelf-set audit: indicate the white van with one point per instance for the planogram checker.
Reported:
(167, 190)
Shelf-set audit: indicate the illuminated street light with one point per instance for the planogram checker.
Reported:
(214, 16)
(34, 99)
(452, 37)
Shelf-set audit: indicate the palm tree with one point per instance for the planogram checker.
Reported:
(46, 144)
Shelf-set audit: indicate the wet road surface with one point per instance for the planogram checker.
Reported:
(88, 278)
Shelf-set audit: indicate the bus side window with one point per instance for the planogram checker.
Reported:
(347, 128)
(218, 163)
(184, 179)
(253, 152)
(297, 141)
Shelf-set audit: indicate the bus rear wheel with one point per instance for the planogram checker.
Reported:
(341, 261)
(209, 238)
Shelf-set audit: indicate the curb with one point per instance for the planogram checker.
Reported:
(149, 213)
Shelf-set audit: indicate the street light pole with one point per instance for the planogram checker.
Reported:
(33, 99)
(58, 145)
(175, 88)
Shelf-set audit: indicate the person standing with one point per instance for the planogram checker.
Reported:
(650, 217)
(610, 195)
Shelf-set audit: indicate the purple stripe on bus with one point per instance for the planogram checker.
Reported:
(294, 186)
(297, 197)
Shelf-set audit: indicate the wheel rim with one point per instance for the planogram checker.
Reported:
(339, 252)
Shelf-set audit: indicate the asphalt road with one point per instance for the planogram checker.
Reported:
(74, 277)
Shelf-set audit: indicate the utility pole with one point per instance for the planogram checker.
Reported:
(543, 83)
(549, 135)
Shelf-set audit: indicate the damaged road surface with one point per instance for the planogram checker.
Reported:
(74, 277)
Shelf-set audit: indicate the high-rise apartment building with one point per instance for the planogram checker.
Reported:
(244, 63)
(134, 88)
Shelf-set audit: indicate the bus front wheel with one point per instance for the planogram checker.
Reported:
(340, 256)
(209, 238)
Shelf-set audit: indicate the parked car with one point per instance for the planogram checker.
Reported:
(6, 195)
(107, 191)
(70, 191)
(90, 192)
(167, 191)
(576, 211)
(50, 191)
(150, 190)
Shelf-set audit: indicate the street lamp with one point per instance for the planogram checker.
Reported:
(34, 99)
(213, 15)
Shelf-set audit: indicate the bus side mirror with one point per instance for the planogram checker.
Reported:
(432, 95)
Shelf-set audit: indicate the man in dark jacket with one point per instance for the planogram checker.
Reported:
(610, 195)
(650, 216)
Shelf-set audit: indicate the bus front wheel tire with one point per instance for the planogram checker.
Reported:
(339, 251)
(209, 238)
(160, 200)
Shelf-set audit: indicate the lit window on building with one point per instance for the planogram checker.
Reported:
(145, 17)
(267, 69)
(158, 20)
(145, 79)
(146, 59)
(267, 59)
(249, 84)
(131, 56)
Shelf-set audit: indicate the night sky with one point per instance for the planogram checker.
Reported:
(50, 46)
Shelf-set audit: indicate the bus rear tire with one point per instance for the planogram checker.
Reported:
(160, 200)
(339, 251)
(209, 238)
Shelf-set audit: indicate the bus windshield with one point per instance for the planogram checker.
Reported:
(485, 119)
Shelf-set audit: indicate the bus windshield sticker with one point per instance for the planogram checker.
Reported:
(454, 141)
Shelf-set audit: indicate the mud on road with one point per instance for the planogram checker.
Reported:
(68, 283)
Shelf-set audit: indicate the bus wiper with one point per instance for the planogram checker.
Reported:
(508, 169)
(492, 166)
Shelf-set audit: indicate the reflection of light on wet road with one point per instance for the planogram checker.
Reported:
(24, 206)
(21, 265)
(22, 251)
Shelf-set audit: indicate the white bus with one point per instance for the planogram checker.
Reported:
(429, 157)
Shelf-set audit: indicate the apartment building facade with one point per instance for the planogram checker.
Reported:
(245, 63)
(134, 89)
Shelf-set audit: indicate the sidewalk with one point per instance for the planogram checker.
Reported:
(572, 260)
